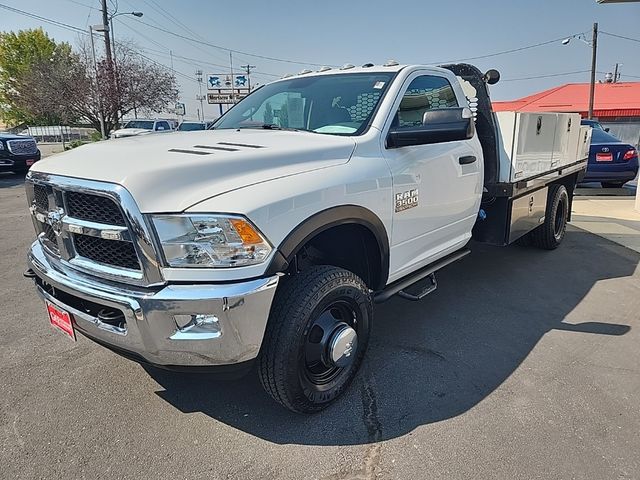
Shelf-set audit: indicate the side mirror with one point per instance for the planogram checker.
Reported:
(606, 129)
(438, 126)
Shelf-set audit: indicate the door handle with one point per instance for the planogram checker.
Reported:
(466, 160)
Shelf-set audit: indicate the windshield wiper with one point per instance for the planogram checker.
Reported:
(273, 126)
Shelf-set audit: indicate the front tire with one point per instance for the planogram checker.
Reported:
(550, 234)
(316, 337)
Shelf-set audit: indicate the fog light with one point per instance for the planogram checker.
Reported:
(196, 327)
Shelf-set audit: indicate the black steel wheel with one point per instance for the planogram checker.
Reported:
(550, 234)
(316, 337)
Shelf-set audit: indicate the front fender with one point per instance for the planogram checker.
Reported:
(324, 220)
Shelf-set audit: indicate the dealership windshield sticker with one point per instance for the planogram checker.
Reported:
(406, 200)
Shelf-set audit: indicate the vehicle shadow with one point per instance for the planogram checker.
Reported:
(10, 179)
(435, 359)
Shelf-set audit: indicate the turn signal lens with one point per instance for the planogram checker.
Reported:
(247, 233)
(630, 154)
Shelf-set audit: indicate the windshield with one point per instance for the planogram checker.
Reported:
(340, 104)
(190, 126)
(592, 124)
(600, 136)
(146, 124)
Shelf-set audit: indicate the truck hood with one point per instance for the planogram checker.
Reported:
(170, 173)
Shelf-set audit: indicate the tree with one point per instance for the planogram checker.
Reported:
(44, 82)
(37, 75)
(140, 86)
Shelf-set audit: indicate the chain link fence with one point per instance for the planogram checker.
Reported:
(59, 133)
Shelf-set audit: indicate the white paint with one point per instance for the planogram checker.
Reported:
(295, 175)
(526, 151)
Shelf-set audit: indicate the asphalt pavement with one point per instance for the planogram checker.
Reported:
(523, 364)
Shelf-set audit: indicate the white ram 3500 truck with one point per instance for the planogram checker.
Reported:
(270, 237)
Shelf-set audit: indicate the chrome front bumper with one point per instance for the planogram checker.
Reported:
(151, 331)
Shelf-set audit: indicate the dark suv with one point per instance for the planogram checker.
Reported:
(17, 153)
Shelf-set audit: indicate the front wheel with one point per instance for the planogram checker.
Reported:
(316, 337)
(550, 234)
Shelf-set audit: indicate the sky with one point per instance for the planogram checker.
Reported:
(303, 34)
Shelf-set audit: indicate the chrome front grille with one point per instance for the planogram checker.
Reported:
(41, 197)
(22, 147)
(94, 208)
(94, 227)
(110, 252)
(51, 237)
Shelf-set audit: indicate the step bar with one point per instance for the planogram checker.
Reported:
(400, 285)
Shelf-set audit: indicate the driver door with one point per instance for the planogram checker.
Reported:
(437, 187)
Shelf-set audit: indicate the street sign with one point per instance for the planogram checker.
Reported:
(180, 109)
(224, 81)
(224, 98)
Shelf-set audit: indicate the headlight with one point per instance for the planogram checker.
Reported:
(210, 241)
(1, 146)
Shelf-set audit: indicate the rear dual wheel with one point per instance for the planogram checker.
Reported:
(550, 234)
(316, 337)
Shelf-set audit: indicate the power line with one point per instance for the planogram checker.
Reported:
(504, 52)
(148, 39)
(621, 36)
(173, 22)
(83, 32)
(83, 4)
(165, 67)
(196, 62)
(166, 14)
(79, 30)
(265, 57)
(545, 76)
(43, 19)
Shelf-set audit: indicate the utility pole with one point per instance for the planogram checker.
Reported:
(116, 83)
(248, 70)
(594, 53)
(107, 50)
(616, 75)
(107, 42)
(200, 96)
(233, 86)
(95, 67)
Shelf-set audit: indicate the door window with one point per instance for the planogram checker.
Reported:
(160, 126)
(426, 92)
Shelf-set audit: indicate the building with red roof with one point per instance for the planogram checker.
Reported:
(616, 105)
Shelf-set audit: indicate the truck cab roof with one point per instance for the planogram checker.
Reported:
(366, 68)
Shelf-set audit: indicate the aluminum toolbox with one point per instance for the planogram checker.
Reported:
(531, 144)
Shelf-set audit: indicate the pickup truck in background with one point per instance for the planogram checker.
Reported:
(269, 238)
(142, 126)
(17, 153)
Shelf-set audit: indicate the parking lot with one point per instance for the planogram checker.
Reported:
(523, 364)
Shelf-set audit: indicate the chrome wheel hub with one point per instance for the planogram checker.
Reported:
(343, 346)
